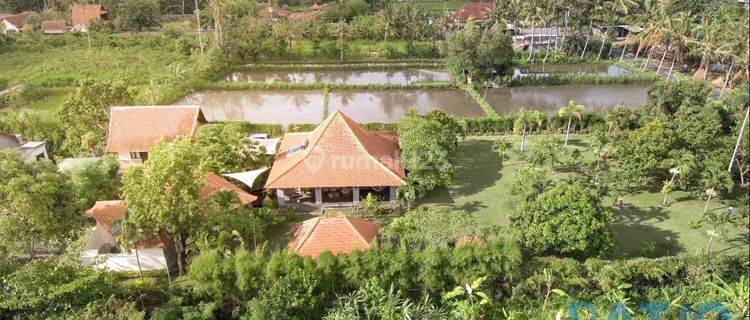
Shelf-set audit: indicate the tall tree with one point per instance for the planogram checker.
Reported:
(569, 111)
(162, 195)
(526, 121)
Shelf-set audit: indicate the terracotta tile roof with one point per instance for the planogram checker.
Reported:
(18, 19)
(83, 14)
(134, 129)
(54, 26)
(107, 214)
(474, 10)
(338, 153)
(337, 234)
(213, 183)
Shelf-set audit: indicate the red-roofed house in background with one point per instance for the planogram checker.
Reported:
(14, 22)
(30, 151)
(81, 15)
(55, 27)
(477, 11)
(333, 233)
(336, 164)
(134, 130)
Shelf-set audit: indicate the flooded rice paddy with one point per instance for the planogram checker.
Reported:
(561, 69)
(552, 98)
(357, 77)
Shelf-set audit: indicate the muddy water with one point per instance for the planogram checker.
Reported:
(390, 105)
(552, 98)
(395, 76)
(260, 106)
(560, 69)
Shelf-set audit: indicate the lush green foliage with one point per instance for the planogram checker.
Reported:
(566, 219)
(39, 208)
(136, 15)
(225, 148)
(473, 54)
(425, 227)
(428, 149)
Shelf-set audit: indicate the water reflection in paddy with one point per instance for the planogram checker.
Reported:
(394, 76)
(260, 106)
(561, 69)
(390, 105)
(552, 98)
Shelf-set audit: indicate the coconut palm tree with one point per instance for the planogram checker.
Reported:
(711, 45)
(681, 35)
(501, 146)
(525, 121)
(714, 181)
(569, 111)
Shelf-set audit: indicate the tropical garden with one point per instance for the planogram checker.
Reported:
(572, 213)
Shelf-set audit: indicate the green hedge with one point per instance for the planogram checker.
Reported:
(488, 110)
(593, 79)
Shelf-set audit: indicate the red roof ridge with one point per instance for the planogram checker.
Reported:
(357, 231)
(359, 142)
(307, 234)
(322, 126)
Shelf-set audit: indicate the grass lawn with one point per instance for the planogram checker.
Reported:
(483, 189)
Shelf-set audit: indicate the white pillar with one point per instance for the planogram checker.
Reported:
(318, 196)
(281, 198)
(392, 192)
(355, 194)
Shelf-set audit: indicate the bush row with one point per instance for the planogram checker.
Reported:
(554, 123)
(593, 79)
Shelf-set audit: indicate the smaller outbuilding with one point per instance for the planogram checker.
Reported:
(213, 183)
(82, 15)
(335, 233)
(30, 150)
(10, 23)
(55, 27)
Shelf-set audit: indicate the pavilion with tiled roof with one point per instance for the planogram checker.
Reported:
(213, 183)
(337, 164)
(333, 233)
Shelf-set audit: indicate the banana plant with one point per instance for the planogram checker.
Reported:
(736, 296)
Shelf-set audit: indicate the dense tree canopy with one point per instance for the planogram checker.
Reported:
(137, 15)
(38, 206)
(473, 54)
(567, 219)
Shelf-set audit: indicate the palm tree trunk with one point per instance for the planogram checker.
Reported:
(671, 67)
(180, 253)
(726, 80)
(567, 132)
(710, 242)
(705, 208)
(567, 15)
(664, 55)
(197, 13)
(138, 260)
(739, 139)
(601, 48)
(638, 52)
(591, 22)
(624, 49)
(531, 44)
(650, 52)
(523, 137)
(664, 202)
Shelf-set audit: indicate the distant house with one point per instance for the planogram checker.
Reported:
(102, 249)
(336, 164)
(336, 234)
(133, 131)
(618, 32)
(477, 11)
(82, 15)
(30, 151)
(10, 23)
(277, 14)
(55, 27)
